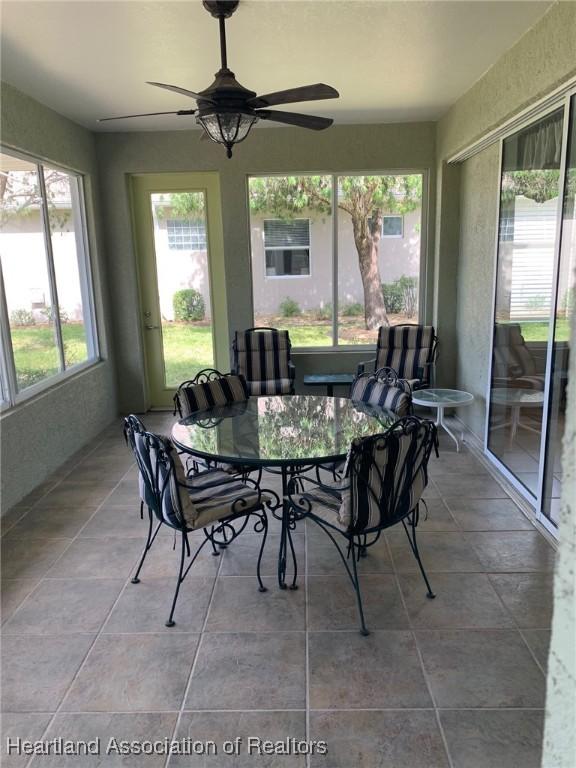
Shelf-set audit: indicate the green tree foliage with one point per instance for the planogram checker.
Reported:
(366, 199)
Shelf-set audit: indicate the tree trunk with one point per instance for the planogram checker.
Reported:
(367, 231)
(374, 307)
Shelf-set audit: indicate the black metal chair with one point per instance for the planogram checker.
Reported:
(383, 389)
(385, 477)
(212, 391)
(513, 365)
(262, 356)
(409, 350)
(209, 389)
(209, 501)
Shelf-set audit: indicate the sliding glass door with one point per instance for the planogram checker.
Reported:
(560, 344)
(534, 298)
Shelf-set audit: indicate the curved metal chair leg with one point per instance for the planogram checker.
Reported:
(414, 546)
(185, 546)
(149, 541)
(363, 630)
(264, 520)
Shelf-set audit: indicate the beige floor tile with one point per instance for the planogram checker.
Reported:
(37, 671)
(481, 668)
(381, 671)
(225, 726)
(393, 739)
(249, 670)
(493, 738)
(134, 673)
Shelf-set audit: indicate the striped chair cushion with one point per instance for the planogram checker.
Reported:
(369, 389)
(209, 496)
(264, 356)
(331, 503)
(407, 349)
(386, 477)
(512, 358)
(270, 387)
(210, 394)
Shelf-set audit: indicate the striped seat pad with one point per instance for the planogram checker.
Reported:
(330, 503)
(210, 394)
(210, 496)
(369, 389)
(263, 356)
(407, 349)
(271, 387)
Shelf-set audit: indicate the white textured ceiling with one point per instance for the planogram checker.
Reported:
(391, 61)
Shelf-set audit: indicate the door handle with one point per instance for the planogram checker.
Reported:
(151, 327)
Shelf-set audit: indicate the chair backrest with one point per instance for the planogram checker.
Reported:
(209, 389)
(262, 354)
(408, 350)
(383, 389)
(512, 357)
(133, 426)
(388, 473)
(161, 475)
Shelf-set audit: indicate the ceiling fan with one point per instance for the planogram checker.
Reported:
(226, 110)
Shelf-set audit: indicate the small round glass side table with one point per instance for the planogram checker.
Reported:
(441, 399)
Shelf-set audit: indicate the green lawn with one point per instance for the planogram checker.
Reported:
(187, 347)
(36, 355)
(539, 331)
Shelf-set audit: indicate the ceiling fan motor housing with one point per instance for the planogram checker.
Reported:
(221, 8)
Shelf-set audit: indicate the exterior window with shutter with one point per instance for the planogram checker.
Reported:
(287, 247)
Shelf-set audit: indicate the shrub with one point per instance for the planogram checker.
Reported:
(290, 308)
(48, 314)
(409, 286)
(188, 305)
(353, 310)
(21, 317)
(324, 312)
(393, 297)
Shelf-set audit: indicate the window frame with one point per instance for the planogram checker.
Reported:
(284, 248)
(13, 395)
(425, 273)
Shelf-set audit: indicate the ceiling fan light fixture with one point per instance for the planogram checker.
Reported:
(227, 128)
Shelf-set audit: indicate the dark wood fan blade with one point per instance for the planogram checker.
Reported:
(149, 114)
(304, 93)
(183, 91)
(294, 118)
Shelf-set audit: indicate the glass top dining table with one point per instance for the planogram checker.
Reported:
(286, 432)
(279, 430)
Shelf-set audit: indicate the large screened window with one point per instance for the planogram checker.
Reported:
(45, 291)
(348, 250)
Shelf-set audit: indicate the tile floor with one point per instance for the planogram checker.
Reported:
(458, 682)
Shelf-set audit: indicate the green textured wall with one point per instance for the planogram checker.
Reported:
(478, 202)
(541, 61)
(38, 436)
(267, 150)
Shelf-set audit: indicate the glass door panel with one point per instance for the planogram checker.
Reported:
(566, 295)
(183, 301)
(525, 296)
(183, 284)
